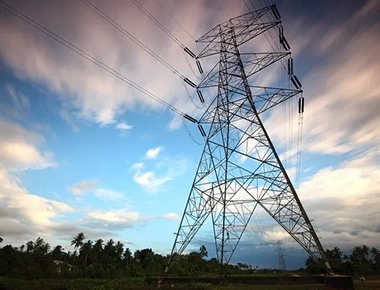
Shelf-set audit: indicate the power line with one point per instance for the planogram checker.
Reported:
(85, 55)
(158, 23)
(130, 36)
(175, 20)
(126, 33)
(167, 32)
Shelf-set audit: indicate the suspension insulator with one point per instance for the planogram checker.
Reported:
(301, 105)
(281, 33)
(189, 52)
(199, 66)
(191, 119)
(189, 82)
(296, 82)
(200, 96)
(201, 130)
(275, 12)
(290, 66)
(285, 43)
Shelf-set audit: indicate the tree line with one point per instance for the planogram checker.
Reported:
(362, 260)
(110, 259)
(99, 259)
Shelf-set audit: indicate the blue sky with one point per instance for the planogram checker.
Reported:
(81, 150)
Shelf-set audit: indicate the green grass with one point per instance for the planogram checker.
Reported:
(138, 284)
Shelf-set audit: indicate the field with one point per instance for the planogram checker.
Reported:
(138, 284)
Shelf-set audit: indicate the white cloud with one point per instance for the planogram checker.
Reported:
(153, 152)
(24, 214)
(91, 186)
(344, 202)
(108, 194)
(19, 148)
(67, 116)
(149, 181)
(123, 126)
(342, 104)
(115, 216)
(164, 170)
(138, 166)
(85, 186)
(171, 216)
(95, 94)
(19, 101)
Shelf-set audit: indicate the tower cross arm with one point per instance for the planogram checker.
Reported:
(246, 26)
(271, 97)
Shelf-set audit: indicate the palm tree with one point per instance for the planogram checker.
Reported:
(86, 249)
(127, 257)
(97, 249)
(57, 253)
(77, 242)
(45, 248)
(39, 243)
(29, 247)
(109, 248)
(119, 249)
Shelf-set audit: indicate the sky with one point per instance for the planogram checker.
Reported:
(83, 151)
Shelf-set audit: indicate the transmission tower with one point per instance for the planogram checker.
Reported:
(280, 255)
(239, 169)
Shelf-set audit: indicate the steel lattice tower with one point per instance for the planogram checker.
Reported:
(239, 169)
(280, 256)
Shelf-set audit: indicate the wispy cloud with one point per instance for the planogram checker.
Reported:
(171, 216)
(153, 152)
(23, 214)
(19, 101)
(149, 181)
(92, 186)
(96, 95)
(163, 169)
(123, 126)
(19, 148)
(85, 186)
(68, 118)
(341, 95)
(115, 216)
(108, 194)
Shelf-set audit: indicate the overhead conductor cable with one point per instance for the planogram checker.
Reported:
(85, 55)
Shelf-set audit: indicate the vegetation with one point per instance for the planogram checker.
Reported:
(110, 265)
(361, 261)
(99, 259)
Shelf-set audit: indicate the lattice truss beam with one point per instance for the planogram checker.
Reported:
(239, 168)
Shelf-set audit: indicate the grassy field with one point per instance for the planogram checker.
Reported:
(137, 284)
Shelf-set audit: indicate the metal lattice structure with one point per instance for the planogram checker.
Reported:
(280, 255)
(239, 169)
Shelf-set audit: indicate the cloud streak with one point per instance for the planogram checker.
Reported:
(92, 186)
(87, 90)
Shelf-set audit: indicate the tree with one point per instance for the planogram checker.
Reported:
(57, 253)
(77, 242)
(86, 250)
(29, 247)
(203, 251)
(375, 256)
(109, 248)
(127, 257)
(361, 260)
(335, 257)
